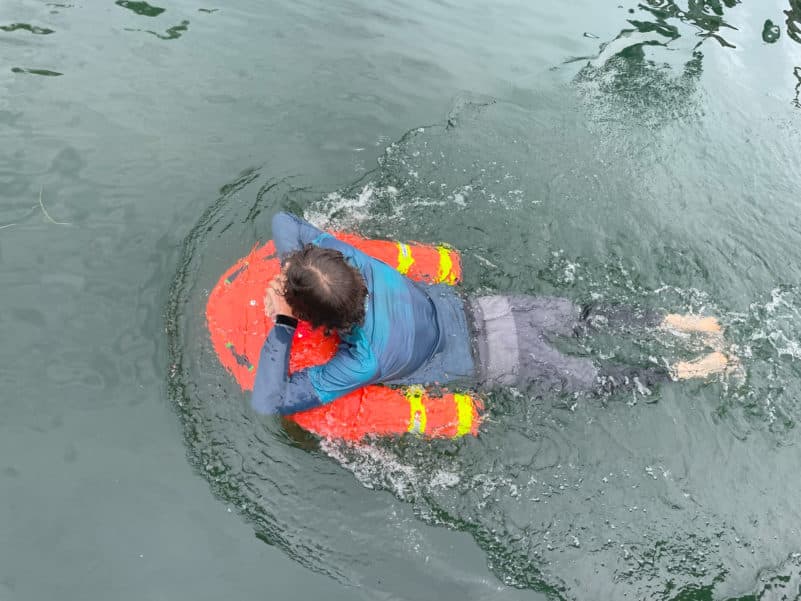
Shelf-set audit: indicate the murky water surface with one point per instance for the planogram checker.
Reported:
(644, 154)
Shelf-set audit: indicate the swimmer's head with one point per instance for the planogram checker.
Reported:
(322, 288)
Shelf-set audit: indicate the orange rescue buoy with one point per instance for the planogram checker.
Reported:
(238, 326)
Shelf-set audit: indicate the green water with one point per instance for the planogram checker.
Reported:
(641, 153)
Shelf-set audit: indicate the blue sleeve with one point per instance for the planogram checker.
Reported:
(291, 233)
(353, 367)
(275, 391)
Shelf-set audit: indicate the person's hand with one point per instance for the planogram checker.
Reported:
(274, 301)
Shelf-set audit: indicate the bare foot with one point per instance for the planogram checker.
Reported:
(692, 323)
(708, 327)
(713, 363)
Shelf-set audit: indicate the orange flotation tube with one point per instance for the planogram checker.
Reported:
(238, 326)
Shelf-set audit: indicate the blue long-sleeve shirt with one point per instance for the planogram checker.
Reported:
(412, 334)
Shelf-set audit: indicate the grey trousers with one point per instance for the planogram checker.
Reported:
(513, 336)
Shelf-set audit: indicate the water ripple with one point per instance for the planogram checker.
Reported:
(575, 497)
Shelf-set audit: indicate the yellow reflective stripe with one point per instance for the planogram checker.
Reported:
(417, 411)
(464, 413)
(405, 258)
(445, 266)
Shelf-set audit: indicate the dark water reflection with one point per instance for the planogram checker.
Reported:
(793, 21)
(706, 15)
(147, 10)
(45, 72)
(662, 23)
(25, 27)
(141, 8)
(172, 33)
(797, 99)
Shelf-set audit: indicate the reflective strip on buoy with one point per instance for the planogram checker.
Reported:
(464, 413)
(445, 273)
(405, 258)
(417, 411)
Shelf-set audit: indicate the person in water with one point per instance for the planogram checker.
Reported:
(396, 331)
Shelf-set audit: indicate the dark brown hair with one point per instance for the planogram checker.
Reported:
(324, 289)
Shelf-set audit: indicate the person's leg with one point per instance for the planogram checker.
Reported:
(708, 327)
(562, 317)
(513, 350)
(692, 323)
(708, 365)
(597, 315)
(513, 339)
(615, 378)
(544, 367)
(550, 315)
(495, 337)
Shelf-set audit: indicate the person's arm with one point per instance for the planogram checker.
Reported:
(274, 391)
(291, 233)
(277, 392)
